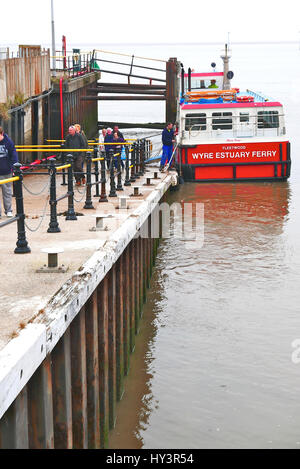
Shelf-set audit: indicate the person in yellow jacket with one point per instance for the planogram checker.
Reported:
(213, 84)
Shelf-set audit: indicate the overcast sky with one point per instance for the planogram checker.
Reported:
(154, 21)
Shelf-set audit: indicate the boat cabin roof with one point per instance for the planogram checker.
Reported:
(215, 98)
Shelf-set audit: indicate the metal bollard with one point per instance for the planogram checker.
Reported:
(22, 245)
(137, 160)
(119, 185)
(142, 153)
(88, 201)
(133, 178)
(53, 225)
(112, 176)
(96, 166)
(103, 197)
(71, 212)
(127, 178)
(140, 150)
(63, 160)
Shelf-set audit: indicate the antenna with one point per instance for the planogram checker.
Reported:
(53, 40)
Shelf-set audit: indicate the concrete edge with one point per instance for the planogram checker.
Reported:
(18, 362)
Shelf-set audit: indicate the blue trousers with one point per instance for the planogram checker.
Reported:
(167, 154)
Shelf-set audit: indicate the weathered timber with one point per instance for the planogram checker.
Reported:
(131, 90)
(138, 86)
(123, 98)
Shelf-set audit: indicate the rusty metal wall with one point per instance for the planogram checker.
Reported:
(70, 401)
(75, 110)
(25, 76)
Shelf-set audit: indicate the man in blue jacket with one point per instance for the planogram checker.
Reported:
(8, 157)
(167, 139)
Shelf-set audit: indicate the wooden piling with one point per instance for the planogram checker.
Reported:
(103, 341)
(120, 327)
(62, 393)
(126, 311)
(40, 408)
(92, 371)
(112, 360)
(79, 383)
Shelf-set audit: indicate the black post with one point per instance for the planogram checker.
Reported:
(96, 163)
(103, 197)
(71, 212)
(127, 178)
(189, 79)
(182, 81)
(112, 175)
(22, 245)
(119, 185)
(88, 201)
(53, 225)
(139, 153)
(132, 161)
(143, 152)
(63, 160)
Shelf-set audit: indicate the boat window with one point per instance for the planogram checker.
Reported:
(195, 121)
(244, 117)
(222, 120)
(268, 120)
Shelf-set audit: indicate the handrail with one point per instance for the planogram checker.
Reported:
(6, 181)
(128, 55)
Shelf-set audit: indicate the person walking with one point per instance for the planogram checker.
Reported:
(75, 141)
(102, 136)
(8, 157)
(86, 145)
(116, 129)
(118, 148)
(108, 139)
(168, 138)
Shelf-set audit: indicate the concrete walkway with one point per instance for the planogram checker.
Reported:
(24, 293)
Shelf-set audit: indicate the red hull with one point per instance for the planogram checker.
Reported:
(235, 161)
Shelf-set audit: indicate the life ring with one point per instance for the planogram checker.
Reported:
(245, 99)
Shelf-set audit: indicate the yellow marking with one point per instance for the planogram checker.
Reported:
(55, 150)
(97, 159)
(6, 181)
(63, 167)
(37, 146)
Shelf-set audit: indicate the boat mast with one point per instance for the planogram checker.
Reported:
(225, 57)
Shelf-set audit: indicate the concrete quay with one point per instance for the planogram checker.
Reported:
(38, 308)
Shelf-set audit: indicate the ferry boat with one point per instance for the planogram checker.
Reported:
(227, 134)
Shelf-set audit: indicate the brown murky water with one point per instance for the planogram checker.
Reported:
(213, 364)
